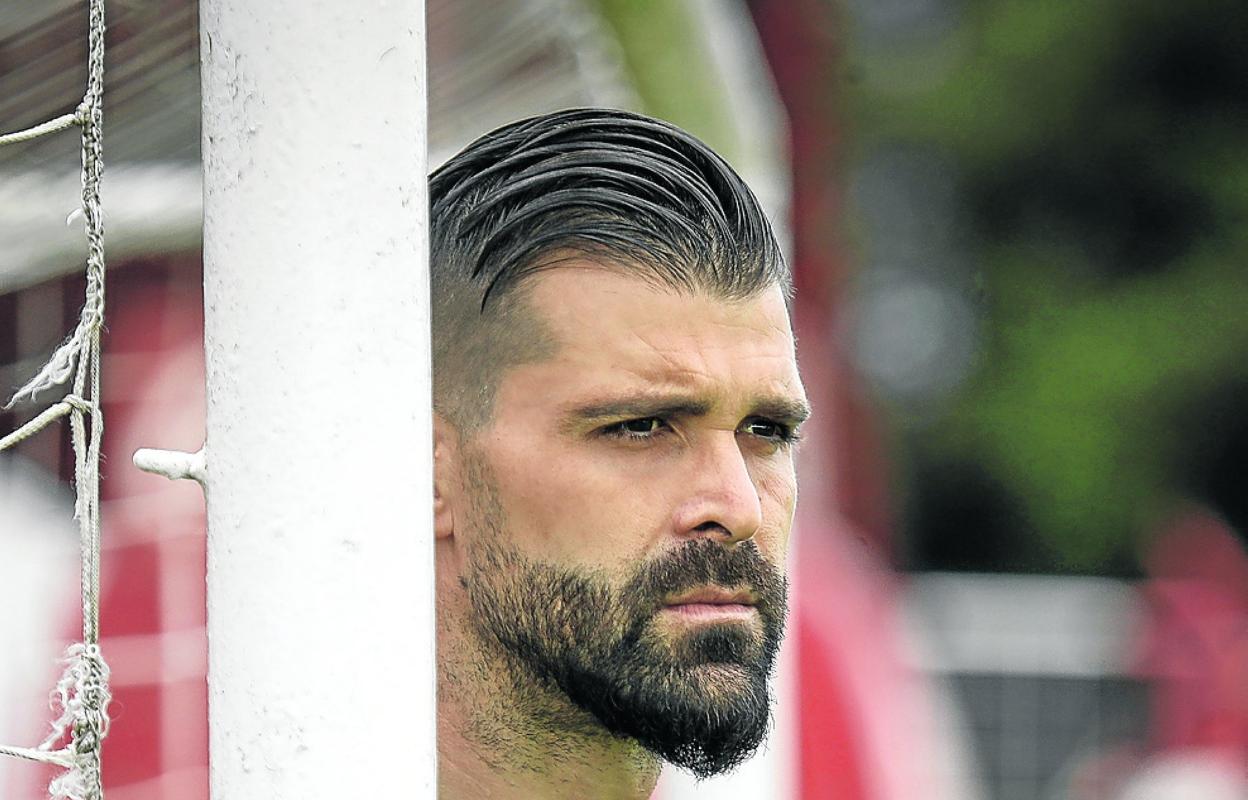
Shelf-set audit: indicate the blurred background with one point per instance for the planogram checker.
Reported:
(1017, 231)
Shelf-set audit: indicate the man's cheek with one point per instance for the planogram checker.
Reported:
(778, 495)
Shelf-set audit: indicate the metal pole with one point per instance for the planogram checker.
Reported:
(318, 459)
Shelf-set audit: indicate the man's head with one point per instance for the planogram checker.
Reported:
(617, 395)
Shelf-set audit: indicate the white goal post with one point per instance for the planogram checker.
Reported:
(318, 455)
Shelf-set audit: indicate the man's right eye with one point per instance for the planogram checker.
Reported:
(641, 428)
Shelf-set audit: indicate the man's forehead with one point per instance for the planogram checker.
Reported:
(618, 334)
(580, 297)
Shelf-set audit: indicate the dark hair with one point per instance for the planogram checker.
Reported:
(631, 192)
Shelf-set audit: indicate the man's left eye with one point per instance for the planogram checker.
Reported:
(767, 429)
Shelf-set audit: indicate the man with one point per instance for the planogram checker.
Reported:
(616, 400)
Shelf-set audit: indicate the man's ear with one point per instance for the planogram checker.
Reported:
(446, 482)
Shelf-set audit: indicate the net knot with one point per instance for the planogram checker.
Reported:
(83, 696)
(79, 404)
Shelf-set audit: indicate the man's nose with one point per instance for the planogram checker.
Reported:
(720, 499)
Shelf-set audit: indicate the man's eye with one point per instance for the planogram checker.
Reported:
(642, 428)
(767, 429)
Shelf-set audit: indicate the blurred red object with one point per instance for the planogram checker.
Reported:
(1196, 648)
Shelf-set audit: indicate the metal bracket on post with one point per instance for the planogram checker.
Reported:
(173, 464)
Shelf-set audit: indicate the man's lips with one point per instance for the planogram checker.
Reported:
(712, 602)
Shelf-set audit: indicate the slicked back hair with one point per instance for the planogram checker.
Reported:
(631, 193)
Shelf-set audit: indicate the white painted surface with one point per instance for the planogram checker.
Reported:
(1078, 627)
(320, 590)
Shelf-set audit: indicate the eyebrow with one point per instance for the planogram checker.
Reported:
(792, 411)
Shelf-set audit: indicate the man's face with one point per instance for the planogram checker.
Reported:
(629, 510)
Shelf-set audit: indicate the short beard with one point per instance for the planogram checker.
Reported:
(699, 701)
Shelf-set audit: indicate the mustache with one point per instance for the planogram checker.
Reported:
(705, 562)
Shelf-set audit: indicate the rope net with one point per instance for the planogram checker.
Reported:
(82, 694)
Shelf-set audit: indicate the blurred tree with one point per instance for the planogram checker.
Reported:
(1102, 158)
(669, 66)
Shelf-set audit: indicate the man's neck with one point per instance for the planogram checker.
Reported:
(577, 771)
(498, 740)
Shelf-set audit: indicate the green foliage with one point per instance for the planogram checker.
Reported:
(670, 67)
(1103, 150)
